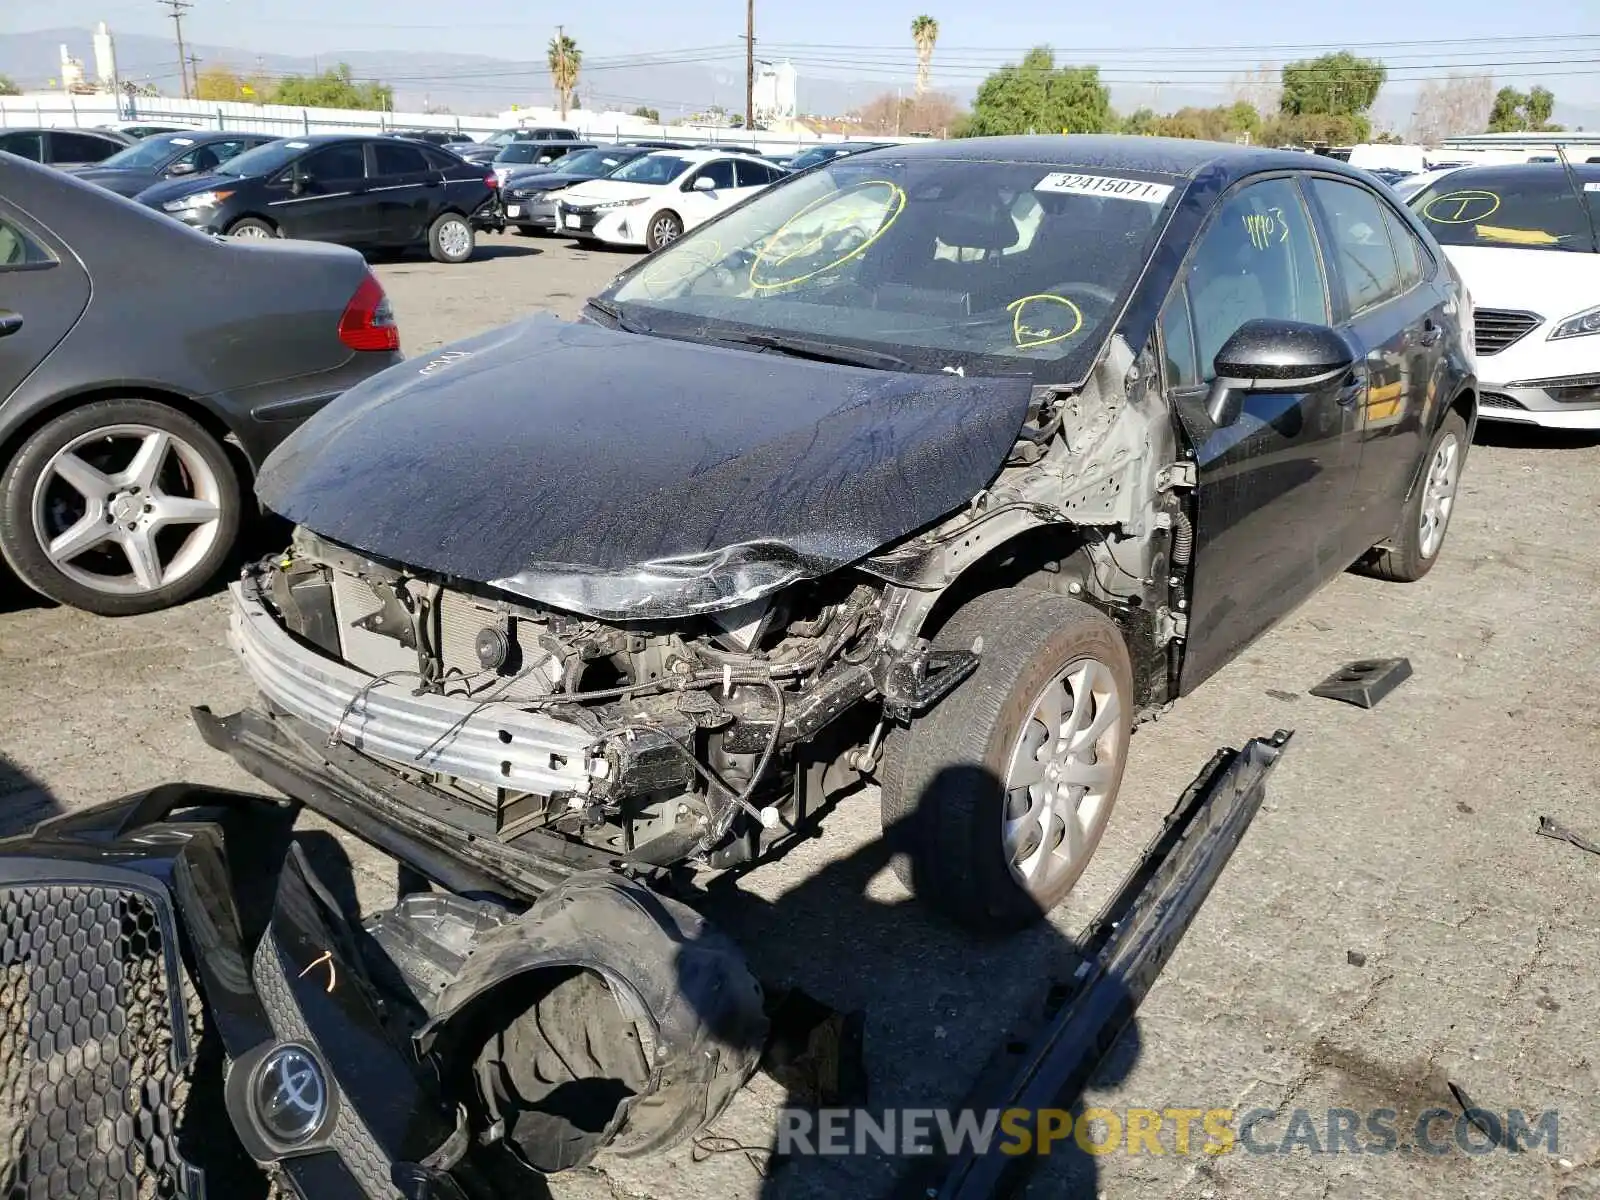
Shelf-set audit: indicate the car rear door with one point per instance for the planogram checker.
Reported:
(68, 147)
(331, 204)
(752, 175)
(400, 184)
(28, 144)
(1399, 325)
(43, 291)
(1271, 486)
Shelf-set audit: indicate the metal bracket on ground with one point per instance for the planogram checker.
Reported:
(1364, 682)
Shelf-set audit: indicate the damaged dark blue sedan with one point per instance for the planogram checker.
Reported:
(938, 466)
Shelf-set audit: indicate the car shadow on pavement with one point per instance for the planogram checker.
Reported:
(942, 1007)
(24, 802)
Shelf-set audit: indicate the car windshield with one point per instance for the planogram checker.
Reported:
(652, 168)
(937, 262)
(264, 160)
(500, 137)
(591, 162)
(1528, 210)
(151, 152)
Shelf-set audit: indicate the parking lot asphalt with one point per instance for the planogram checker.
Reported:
(1401, 839)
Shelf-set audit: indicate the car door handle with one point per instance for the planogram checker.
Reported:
(1431, 334)
(10, 322)
(1353, 389)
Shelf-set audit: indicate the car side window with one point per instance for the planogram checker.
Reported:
(439, 160)
(393, 158)
(18, 251)
(24, 145)
(337, 164)
(1408, 252)
(1257, 259)
(1177, 342)
(753, 174)
(1361, 247)
(720, 173)
(80, 147)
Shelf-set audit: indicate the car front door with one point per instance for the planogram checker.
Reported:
(324, 198)
(401, 187)
(1273, 484)
(708, 191)
(1398, 327)
(43, 291)
(70, 148)
(752, 176)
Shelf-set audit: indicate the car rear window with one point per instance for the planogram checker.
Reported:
(1527, 210)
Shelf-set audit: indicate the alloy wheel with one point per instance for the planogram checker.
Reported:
(1439, 494)
(1061, 775)
(127, 509)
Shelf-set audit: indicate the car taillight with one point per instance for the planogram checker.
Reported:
(368, 321)
(493, 180)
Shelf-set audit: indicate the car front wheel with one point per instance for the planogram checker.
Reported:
(994, 802)
(664, 229)
(119, 507)
(451, 240)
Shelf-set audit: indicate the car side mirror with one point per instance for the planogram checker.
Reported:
(705, 184)
(181, 168)
(1271, 355)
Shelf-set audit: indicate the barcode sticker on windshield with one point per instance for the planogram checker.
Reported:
(1104, 185)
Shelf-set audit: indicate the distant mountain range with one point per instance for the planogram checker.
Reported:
(480, 83)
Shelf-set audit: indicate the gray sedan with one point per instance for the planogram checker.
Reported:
(145, 372)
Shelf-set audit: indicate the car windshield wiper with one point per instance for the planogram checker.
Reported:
(610, 310)
(832, 352)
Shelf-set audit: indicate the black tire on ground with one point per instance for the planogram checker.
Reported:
(1404, 558)
(27, 557)
(246, 227)
(942, 780)
(443, 230)
(664, 228)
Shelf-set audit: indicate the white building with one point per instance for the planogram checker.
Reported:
(105, 59)
(776, 89)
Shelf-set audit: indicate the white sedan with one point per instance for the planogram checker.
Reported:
(654, 199)
(1523, 238)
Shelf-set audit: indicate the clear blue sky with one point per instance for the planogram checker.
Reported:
(1132, 43)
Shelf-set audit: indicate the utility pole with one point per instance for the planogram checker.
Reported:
(194, 72)
(176, 9)
(561, 68)
(750, 65)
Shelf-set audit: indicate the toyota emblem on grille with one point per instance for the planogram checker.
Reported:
(291, 1096)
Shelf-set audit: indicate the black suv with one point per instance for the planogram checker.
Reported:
(375, 193)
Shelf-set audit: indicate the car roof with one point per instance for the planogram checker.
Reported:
(1553, 172)
(690, 155)
(1180, 157)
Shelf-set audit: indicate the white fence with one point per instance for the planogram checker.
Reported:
(57, 109)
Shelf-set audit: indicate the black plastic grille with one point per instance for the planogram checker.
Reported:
(97, 1028)
(1496, 328)
(1496, 400)
(351, 1140)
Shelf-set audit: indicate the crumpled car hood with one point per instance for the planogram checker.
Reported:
(621, 475)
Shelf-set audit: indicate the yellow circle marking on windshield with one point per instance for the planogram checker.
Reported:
(1461, 208)
(895, 206)
(680, 267)
(1028, 337)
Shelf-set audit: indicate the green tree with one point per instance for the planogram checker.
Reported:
(1541, 103)
(1514, 111)
(565, 58)
(1140, 122)
(1036, 96)
(925, 33)
(1332, 84)
(8, 86)
(649, 114)
(334, 88)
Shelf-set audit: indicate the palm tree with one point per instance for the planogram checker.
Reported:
(924, 32)
(565, 58)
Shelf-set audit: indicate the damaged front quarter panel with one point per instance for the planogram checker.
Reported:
(629, 477)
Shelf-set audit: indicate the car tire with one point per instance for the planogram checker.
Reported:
(990, 857)
(101, 444)
(1425, 518)
(665, 228)
(451, 238)
(251, 227)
